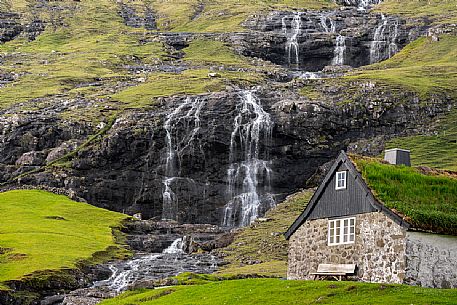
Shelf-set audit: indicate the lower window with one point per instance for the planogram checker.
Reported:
(341, 231)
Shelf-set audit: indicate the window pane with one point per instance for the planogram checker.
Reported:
(351, 237)
(352, 221)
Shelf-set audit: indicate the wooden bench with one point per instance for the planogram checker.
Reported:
(336, 271)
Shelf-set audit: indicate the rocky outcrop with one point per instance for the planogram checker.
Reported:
(30, 290)
(133, 19)
(152, 236)
(308, 40)
(10, 26)
(126, 170)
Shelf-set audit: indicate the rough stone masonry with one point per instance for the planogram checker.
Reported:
(383, 251)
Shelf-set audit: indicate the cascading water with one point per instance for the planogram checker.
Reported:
(340, 49)
(365, 4)
(384, 43)
(329, 26)
(181, 129)
(292, 45)
(361, 4)
(175, 248)
(327, 23)
(248, 174)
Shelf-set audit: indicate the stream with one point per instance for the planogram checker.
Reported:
(139, 272)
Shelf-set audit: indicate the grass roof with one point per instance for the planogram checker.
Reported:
(426, 199)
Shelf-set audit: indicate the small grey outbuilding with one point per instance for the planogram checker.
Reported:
(344, 223)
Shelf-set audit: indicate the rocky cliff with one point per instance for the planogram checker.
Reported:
(222, 157)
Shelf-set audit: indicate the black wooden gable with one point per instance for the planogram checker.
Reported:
(356, 198)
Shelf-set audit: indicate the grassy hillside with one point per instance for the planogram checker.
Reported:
(438, 150)
(424, 66)
(262, 248)
(278, 292)
(88, 55)
(43, 231)
(221, 15)
(428, 202)
(428, 68)
(437, 10)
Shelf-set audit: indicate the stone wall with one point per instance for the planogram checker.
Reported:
(378, 251)
(431, 260)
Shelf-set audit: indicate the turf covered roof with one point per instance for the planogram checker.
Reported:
(418, 198)
(426, 198)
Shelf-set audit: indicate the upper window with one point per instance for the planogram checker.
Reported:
(341, 178)
(341, 231)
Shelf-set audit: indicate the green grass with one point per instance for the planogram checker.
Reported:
(437, 10)
(424, 66)
(428, 69)
(94, 45)
(43, 231)
(261, 248)
(189, 82)
(438, 150)
(213, 52)
(221, 15)
(275, 291)
(428, 202)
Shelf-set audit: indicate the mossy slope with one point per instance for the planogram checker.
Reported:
(43, 231)
(261, 248)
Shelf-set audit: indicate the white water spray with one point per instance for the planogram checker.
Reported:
(292, 45)
(327, 23)
(176, 247)
(181, 130)
(340, 50)
(252, 127)
(384, 44)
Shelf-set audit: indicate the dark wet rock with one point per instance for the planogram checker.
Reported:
(155, 236)
(10, 26)
(32, 158)
(52, 300)
(317, 36)
(125, 170)
(133, 19)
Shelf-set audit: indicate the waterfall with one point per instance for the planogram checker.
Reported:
(384, 44)
(176, 247)
(340, 49)
(365, 4)
(181, 130)
(327, 23)
(329, 26)
(292, 46)
(247, 171)
(361, 4)
(122, 277)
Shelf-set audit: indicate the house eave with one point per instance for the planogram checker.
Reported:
(377, 206)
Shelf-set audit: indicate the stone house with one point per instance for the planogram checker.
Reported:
(344, 223)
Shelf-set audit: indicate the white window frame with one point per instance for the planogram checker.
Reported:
(341, 231)
(344, 179)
